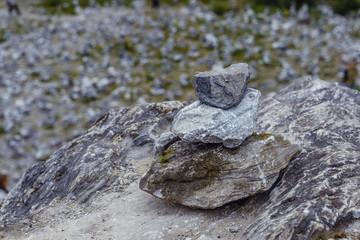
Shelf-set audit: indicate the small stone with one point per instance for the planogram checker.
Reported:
(202, 123)
(210, 41)
(183, 79)
(66, 211)
(177, 57)
(234, 229)
(205, 237)
(222, 88)
(303, 15)
(157, 91)
(356, 214)
(164, 141)
(208, 176)
(141, 140)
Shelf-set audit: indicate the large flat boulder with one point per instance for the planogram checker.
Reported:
(319, 191)
(208, 176)
(102, 159)
(89, 187)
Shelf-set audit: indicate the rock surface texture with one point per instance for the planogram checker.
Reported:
(320, 188)
(102, 158)
(317, 195)
(164, 141)
(208, 176)
(224, 88)
(202, 123)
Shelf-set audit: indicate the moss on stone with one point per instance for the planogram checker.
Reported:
(208, 168)
(261, 135)
(2, 130)
(334, 234)
(164, 157)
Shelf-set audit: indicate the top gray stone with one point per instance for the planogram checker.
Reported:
(224, 88)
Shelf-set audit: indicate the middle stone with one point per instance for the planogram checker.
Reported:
(202, 123)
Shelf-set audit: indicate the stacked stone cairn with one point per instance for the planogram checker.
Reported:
(226, 111)
(211, 156)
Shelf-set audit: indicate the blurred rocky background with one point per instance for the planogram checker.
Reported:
(64, 63)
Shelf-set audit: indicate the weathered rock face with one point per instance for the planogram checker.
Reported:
(319, 190)
(164, 141)
(223, 88)
(209, 175)
(101, 159)
(202, 123)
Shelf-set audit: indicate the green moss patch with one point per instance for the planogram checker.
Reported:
(330, 235)
(262, 135)
(164, 157)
